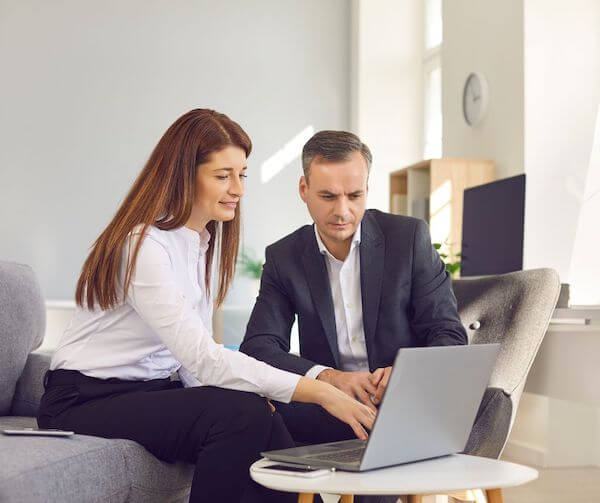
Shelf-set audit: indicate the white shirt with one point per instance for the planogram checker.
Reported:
(344, 280)
(164, 323)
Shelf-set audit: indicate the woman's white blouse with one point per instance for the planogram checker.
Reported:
(164, 325)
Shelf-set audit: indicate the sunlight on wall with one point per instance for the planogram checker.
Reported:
(585, 266)
(285, 155)
(441, 213)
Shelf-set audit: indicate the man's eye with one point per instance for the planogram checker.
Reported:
(329, 198)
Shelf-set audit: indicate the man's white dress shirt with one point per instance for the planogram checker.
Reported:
(164, 325)
(344, 280)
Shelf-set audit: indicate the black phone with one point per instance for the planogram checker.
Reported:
(37, 432)
(294, 470)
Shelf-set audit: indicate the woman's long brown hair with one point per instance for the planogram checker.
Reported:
(163, 195)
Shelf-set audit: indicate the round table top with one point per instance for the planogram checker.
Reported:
(440, 475)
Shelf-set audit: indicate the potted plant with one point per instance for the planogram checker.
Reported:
(249, 265)
(451, 260)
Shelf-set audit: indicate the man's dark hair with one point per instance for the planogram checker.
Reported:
(333, 146)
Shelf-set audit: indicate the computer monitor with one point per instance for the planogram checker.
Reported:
(493, 227)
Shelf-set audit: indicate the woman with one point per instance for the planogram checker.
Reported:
(144, 301)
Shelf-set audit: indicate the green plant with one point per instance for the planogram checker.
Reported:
(451, 260)
(250, 265)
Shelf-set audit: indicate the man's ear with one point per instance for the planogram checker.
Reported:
(302, 187)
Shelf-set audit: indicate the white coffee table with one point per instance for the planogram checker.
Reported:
(449, 474)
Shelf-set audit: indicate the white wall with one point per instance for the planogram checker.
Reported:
(562, 102)
(387, 105)
(87, 89)
(542, 62)
(484, 36)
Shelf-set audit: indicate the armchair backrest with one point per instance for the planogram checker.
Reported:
(22, 325)
(514, 310)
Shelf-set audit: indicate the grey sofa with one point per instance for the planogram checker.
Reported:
(77, 469)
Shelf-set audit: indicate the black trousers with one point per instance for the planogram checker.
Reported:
(221, 431)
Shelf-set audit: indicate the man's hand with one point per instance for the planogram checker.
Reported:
(358, 385)
(380, 379)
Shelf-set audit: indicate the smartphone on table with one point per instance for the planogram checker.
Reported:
(294, 470)
(37, 432)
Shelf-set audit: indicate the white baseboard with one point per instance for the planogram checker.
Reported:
(523, 452)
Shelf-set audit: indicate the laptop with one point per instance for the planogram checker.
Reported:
(427, 411)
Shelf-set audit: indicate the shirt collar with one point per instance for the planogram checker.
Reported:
(323, 249)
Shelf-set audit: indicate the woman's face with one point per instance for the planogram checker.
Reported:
(220, 184)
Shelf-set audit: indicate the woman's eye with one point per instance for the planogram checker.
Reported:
(243, 176)
(222, 177)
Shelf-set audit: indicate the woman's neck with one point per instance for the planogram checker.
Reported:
(196, 221)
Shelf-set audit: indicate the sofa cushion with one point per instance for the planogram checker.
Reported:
(155, 481)
(85, 468)
(74, 469)
(22, 324)
(30, 386)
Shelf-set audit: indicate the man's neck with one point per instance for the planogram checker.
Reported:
(339, 249)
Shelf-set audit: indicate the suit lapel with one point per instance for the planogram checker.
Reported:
(372, 254)
(318, 282)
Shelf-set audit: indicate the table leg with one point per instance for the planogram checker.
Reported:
(414, 498)
(347, 498)
(493, 495)
(472, 495)
(305, 498)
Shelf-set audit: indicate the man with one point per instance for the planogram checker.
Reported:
(362, 283)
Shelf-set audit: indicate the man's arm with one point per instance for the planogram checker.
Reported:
(268, 331)
(433, 314)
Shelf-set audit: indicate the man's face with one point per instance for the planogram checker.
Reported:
(335, 194)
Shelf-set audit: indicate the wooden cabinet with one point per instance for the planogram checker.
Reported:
(433, 190)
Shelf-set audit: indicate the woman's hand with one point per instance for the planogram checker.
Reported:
(350, 411)
(358, 416)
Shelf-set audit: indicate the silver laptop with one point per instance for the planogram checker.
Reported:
(427, 411)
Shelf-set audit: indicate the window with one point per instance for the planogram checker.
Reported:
(432, 73)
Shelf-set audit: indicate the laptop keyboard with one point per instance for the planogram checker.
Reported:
(349, 456)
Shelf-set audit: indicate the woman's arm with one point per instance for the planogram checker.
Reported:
(157, 298)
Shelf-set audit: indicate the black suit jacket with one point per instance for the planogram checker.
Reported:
(407, 299)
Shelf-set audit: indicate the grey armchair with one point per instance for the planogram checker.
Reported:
(514, 310)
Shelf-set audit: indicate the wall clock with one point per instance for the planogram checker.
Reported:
(475, 98)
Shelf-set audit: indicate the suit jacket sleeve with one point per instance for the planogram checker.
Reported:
(433, 314)
(268, 331)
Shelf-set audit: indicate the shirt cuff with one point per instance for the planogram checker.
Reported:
(313, 372)
(282, 386)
